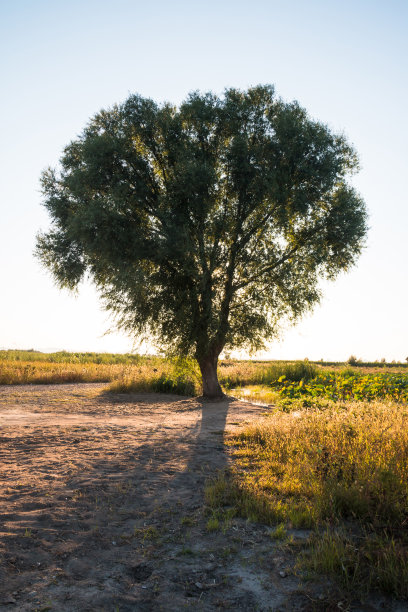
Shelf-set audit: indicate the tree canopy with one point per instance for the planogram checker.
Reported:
(203, 226)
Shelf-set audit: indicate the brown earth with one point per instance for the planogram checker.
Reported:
(102, 508)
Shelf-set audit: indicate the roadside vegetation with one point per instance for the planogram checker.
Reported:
(336, 468)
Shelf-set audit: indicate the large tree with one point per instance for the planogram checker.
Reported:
(202, 226)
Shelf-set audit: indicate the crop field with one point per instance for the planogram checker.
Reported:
(316, 475)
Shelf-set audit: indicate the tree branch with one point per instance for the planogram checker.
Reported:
(269, 268)
(246, 238)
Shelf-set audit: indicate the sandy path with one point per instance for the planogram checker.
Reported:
(102, 507)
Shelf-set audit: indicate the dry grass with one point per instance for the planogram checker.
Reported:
(132, 372)
(87, 368)
(342, 470)
(127, 373)
(36, 372)
(167, 379)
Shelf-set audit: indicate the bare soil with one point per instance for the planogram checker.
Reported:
(102, 508)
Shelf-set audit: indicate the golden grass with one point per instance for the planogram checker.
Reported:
(342, 468)
(35, 372)
(165, 379)
(147, 374)
(44, 372)
(132, 372)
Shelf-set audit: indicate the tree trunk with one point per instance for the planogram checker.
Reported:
(211, 386)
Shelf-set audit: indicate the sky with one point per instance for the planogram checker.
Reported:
(344, 61)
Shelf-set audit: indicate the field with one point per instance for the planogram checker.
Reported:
(118, 497)
(132, 372)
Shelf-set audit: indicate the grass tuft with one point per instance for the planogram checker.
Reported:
(378, 563)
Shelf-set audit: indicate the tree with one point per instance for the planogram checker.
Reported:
(204, 225)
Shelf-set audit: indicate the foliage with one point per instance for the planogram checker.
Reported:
(244, 373)
(164, 383)
(346, 384)
(203, 226)
(295, 372)
(344, 465)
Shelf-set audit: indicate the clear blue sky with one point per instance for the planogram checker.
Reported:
(345, 61)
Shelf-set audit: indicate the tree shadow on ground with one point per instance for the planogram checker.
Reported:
(92, 502)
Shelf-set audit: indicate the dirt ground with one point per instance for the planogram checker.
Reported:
(102, 508)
